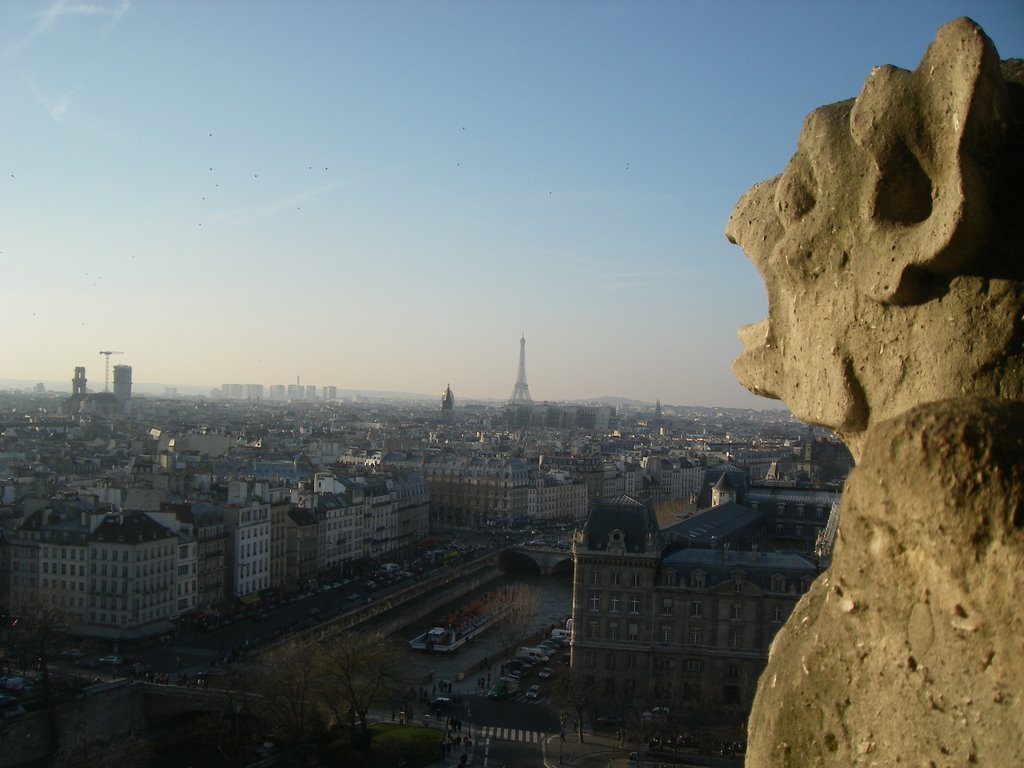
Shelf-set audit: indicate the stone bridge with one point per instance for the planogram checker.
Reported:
(534, 559)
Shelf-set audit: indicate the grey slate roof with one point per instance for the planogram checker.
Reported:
(636, 519)
(726, 523)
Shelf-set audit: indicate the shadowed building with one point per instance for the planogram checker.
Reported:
(687, 629)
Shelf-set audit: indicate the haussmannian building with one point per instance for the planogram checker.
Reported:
(683, 628)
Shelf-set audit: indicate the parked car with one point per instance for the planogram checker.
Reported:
(13, 683)
(657, 713)
(533, 692)
(12, 711)
(113, 660)
(545, 673)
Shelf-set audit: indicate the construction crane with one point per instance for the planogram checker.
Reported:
(108, 353)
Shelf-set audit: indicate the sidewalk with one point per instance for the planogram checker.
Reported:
(596, 751)
(603, 751)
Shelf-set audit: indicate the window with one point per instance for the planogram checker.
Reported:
(663, 663)
(666, 606)
(694, 666)
(777, 614)
(736, 611)
(634, 604)
(799, 530)
(634, 632)
(696, 609)
(780, 529)
(609, 686)
(668, 579)
(732, 671)
(589, 659)
(629, 661)
(634, 579)
(595, 601)
(613, 630)
(695, 636)
(591, 630)
(613, 602)
(666, 633)
(609, 661)
(616, 577)
(697, 579)
(778, 583)
(736, 638)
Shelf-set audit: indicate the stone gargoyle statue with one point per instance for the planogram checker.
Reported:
(892, 251)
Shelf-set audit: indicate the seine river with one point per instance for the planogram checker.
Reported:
(554, 608)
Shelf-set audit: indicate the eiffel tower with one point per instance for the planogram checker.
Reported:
(521, 391)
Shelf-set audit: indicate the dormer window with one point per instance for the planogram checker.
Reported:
(617, 541)
(697, 579)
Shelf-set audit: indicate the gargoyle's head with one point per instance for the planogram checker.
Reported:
(891, 245)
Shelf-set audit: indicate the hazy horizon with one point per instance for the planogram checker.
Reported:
(157, 389)
(384, 196)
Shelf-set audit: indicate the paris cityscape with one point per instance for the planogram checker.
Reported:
(391, 385)
(173, 546)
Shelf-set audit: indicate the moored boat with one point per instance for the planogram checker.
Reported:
(462, 626)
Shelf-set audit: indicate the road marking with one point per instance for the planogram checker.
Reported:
(512, 734)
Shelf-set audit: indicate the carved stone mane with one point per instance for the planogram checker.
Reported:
(891, 250)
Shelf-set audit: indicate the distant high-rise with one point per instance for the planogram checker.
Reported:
(521, 391)
(123, 386)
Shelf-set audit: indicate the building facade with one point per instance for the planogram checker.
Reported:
(687, 629)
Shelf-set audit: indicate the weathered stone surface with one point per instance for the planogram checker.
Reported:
(891, 245)
(910, 649)
(891, 250)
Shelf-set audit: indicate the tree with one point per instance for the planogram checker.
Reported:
(577, 694)
(357, 671)
(32, 637)
(230, 728)
(285, 685)
(518, 606)
(101, 751)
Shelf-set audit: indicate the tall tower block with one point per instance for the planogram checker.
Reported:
(123, 386)
(521, 391)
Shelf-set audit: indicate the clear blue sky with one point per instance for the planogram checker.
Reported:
(385, 195)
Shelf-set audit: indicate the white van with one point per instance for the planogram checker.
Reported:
(533, 654)
(560, 634)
